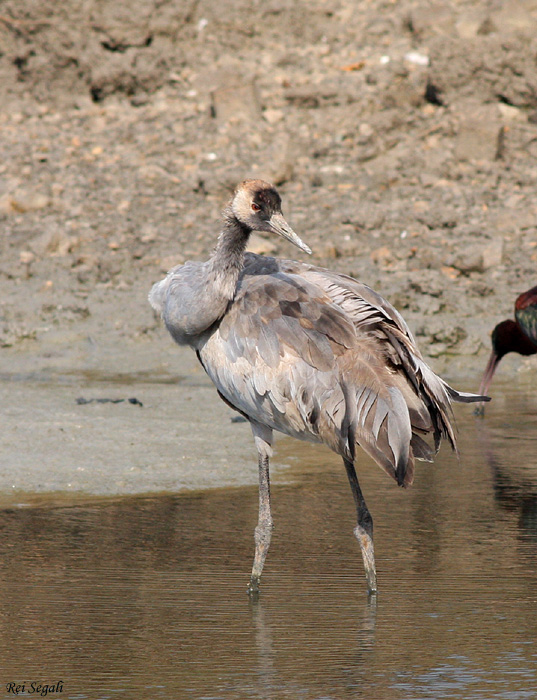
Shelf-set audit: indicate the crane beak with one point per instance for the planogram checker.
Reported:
(277, 224)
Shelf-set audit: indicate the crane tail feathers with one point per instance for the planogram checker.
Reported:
(464, 397)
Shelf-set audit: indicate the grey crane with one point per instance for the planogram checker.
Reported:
(312, 353)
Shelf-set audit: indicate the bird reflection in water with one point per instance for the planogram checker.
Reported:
(515, 486)
(271, 656)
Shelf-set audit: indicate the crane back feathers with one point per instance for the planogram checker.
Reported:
(321, 357)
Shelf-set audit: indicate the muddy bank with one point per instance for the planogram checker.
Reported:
(85, 436)
(402, 137)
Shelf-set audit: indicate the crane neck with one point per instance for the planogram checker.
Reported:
(227, 261)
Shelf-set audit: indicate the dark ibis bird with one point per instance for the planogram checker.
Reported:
(508, 336)
(308, 352)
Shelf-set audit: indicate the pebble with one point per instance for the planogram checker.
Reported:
(479, 258)
(54, 242)
(26, 258)
(273, 116)
(418, 59)
(493, 254)
(170, 261)
(480, 133)
(326, 250)
(382, 256)
(22, 202)
(236, 102)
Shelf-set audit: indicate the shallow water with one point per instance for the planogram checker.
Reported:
(144, 597)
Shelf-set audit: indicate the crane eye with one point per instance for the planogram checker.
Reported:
(255, 207)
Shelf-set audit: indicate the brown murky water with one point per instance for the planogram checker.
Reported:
(144, 597)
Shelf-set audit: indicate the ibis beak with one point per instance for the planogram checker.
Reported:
(489, 373)
(277, 224)
(486, 380)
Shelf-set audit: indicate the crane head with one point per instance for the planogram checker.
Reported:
(258, 206)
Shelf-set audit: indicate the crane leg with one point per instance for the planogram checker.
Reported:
(364, 529)
(263, 531)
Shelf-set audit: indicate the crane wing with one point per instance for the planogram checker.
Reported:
(291, 356)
